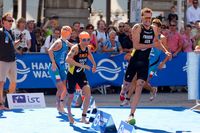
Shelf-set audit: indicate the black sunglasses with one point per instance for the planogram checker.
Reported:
(9, 20)
(172, 25)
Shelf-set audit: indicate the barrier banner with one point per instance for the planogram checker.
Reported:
(193, 76)
(32, 71)
(104, 123)
(110, 70)
(26, 100)
(174, 72)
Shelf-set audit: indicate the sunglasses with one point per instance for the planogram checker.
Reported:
(121, 26)
(173, 25)
(90, 29)
(9, 20)
(85, 39)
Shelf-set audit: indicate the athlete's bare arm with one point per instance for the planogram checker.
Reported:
(180, 45)
(164, 48)
(90, 57)
(136, 38)
(54, 47)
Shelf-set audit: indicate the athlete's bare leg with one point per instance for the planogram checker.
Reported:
(1, 95)
(147, 86)
(86, 103)
(153, 90)
(125, 88)
(139, 85)
(69, 102)
(60, 96)
(130, 92)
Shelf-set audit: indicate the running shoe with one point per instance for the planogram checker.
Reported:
(122, 97)
(131, 120)
(122, 94)
(125, 103)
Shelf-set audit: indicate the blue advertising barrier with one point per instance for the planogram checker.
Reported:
(104, 123)
(32, 71)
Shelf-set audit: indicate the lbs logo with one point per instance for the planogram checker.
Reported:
(111, 72)
(22, 71)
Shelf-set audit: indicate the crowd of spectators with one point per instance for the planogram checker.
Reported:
(110, 38)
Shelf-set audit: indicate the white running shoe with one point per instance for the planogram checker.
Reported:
(153, 94)
(125, 103)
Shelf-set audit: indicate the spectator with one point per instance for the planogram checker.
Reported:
(124, 35)
(21, 32)
(39, 34)
(76, 26)
(121, 31)
(126, 28)
(112, 45)
(82, 27)
(50, 25)
(174, 41)
(197, 37)
(8, 67)
(164, 29)
(193, 12)
(31, 28)
(74, 37)
(197, 49)
(110, 28)
(50, 40)
(172, 15)
(195, 28)
(188, 45)
(127, 44)
(160, 17)
(93, 39)
(101, 35)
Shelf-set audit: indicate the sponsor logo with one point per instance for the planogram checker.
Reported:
(108, 73)
(19, 99)
(26, 100)
(22, 71)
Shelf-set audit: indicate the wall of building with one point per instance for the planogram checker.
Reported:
(67, 10)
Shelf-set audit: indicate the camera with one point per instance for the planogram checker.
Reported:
(21, 36)
(23, 49)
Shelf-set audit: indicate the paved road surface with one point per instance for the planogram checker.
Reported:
(162, 99)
